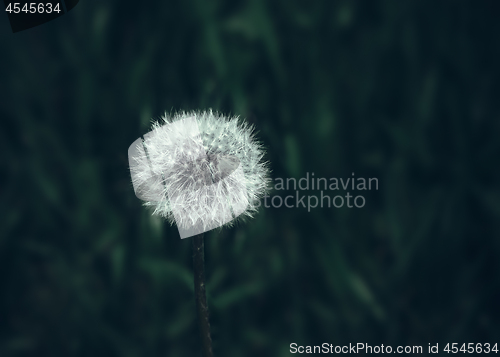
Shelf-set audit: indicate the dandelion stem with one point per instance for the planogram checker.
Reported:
(200, 295)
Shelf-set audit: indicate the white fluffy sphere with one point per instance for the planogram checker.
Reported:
(200, 169)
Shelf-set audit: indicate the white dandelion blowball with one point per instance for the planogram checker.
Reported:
(200, 170)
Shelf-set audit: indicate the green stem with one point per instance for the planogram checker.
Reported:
(200, 295)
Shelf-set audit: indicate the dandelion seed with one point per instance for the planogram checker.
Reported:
(167, 174)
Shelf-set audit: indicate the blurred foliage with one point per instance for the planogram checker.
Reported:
(405, 91)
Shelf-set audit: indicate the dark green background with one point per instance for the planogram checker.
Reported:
(405, 91)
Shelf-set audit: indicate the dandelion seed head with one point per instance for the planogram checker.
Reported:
(201, 168)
